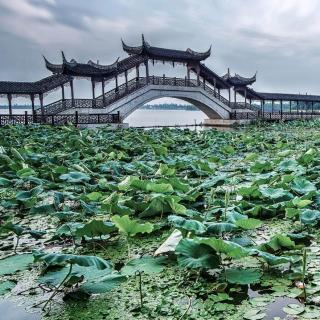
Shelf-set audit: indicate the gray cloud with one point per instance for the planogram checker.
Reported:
(279, 39)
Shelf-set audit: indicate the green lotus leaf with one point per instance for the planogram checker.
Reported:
(194, 226)
(12, 264)
(309, 216)
(220, 227)
(75, 177)
(302, 185)
(165, 170)
(6, 286)
(275, 193)
(95, 228)
(243, 276)
(104, 284)
(52, 259)
(5, 182)
(147, 264)
(228, 248)
(248, 224)
(15, 228)
(192, 254)
(131, 227)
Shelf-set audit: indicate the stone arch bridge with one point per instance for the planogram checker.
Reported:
(226, 98)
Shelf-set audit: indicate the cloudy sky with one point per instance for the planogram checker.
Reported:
(279, 39)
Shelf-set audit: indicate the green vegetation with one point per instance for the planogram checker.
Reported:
(161, 224)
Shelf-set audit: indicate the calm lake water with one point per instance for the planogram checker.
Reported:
(164, 117)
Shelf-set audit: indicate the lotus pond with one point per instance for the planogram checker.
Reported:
(161, 224)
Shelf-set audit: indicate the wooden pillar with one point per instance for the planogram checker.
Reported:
(229, 91)
(116, 78)
(41, 104)
(250, 102)
(126, 77)
(72, 94)
(103, 92)
(312, 107)
(214, 85)
(281, 106)
(32, 104)
(62, 92)
(137, 73)
(9, 96)
(245, 96)
(198, 77)
(188, 73)
(261, 106)
(235, 95)
(272, 106)
(93, 89)
(147, 70)
(290, 105)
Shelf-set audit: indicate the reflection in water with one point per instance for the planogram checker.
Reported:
(10, 311)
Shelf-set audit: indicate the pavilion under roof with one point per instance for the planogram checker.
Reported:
(32, 88)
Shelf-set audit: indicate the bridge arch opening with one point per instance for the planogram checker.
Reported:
(166, 112)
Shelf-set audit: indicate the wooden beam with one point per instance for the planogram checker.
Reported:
(126, 77)
(93, 89)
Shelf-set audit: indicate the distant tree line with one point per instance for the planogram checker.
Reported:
(169, 106)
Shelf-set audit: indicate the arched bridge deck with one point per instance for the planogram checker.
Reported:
(135, 93)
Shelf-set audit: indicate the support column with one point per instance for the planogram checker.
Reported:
(93, 89)
(9, 96)
(147, 70)
(235, 95)
(32, 104)
(137, 73)
(93, 84)
(245, 97)
(312, 107)
(126, 77)
(281, 108)
(198, 77)
(272, 106)
(41, 104)
(229, 91)
(116, 78)
(290, 105)
(62, 92)
(103, 92)
(214, 85)
(72, 94)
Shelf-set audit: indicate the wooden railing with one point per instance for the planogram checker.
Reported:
(60, 119)
(273, 116)
(125, 90)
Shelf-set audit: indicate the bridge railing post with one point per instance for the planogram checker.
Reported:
(76, 118)
(26, 118)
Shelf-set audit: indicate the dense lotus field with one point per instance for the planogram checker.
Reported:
(161, 224)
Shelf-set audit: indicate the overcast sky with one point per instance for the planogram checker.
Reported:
(279, 39)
